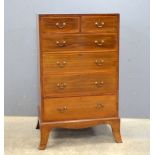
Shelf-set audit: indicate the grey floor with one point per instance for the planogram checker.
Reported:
(21, 138)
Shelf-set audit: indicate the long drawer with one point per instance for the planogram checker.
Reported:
(73, 42)
(97, 83)
(72, 108)
(56, 63)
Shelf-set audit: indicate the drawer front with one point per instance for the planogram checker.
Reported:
(56, 63)
(79, 84)
(72, 108)
(100, 24)
(59, 24)
(74, 42)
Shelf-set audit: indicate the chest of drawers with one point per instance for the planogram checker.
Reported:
(79, 72)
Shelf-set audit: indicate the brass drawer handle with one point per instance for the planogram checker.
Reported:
(99, 24)
(62, 110)
(61, 85)
(99, 106)
(99, 62)
(99, 83)
(99, 43)
(60, 26)
(61, 44)
(61, 64)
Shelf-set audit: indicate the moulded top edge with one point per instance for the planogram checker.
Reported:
(95, 14)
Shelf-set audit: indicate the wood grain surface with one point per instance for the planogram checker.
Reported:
(73, 108)
(79, 72)
(72, 62)
(83, 42)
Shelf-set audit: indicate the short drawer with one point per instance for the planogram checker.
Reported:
(73, 108)
(60, 63)
(100, 24)
(59, 24)
(74, 42)
(79, 84)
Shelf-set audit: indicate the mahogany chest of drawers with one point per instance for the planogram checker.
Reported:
(79, 72)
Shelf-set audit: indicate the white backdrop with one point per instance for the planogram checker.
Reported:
(21, 51)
